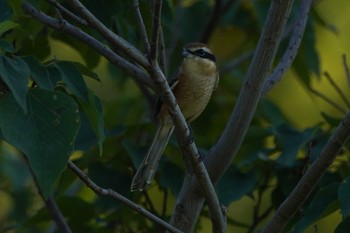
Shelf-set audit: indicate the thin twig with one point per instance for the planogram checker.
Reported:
(328, 100)
(337, 88)
(141, 24)
(50, 204)
(165, 202)
(346, 68)
(68, 13)
(115, 40)
(150, 203)
(312, 176)
(162, 54)
(157, 10)
(110, 193)
(293, 46)
(68, 28)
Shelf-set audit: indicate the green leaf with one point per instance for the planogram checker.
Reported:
(73, 78)
(324, 203)
(291, 141)
(344, 226)
(45, 134)
(39, 73)
(6, 26)
(344, 197)
(235, 184)
(86, 71)
(94, 113)
(171, 176)
(15, 73)
(6, 46)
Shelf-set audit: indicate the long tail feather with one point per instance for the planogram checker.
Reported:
(148, 167)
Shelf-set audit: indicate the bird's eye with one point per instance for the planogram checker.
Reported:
(200, 52)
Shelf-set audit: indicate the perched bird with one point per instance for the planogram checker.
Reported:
(193, 87)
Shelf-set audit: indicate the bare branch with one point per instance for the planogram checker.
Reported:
(312, 176)
(346, 68)
(218, 12)
(162, 54)
(110, 193)
(337, 88)
(141, 24)
(67, 12)
(293, 46)
(115, 40)
(157, 10)
(328, 100)
(68, 28)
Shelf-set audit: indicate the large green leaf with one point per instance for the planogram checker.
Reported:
(15, 73)
(45, 134)
(324, 203)
(344, 197)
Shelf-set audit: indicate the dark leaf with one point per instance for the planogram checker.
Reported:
(235, 184)
(15, 73)
(45, 134)
(73, 78)
(344, 197)
(344, 226)
(324, 203)
(94, 113)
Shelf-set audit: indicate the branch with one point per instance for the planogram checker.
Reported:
(50, 204)
(115, 40)
(67, 12)
(292, 49)
(141, 24)
(328, 100)
(312, 176)
(346, 68)
(157, 10)
(70, 29)
(221, 155)
(110, 193)
(337, 88)
(218, 12)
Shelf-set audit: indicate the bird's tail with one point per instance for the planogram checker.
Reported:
(148, 167)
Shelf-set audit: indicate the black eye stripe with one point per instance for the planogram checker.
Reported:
(202, 53)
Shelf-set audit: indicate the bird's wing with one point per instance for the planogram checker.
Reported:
(159, 104)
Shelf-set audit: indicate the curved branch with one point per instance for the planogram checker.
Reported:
(308, 182)
(68, 28)
(110, 193)
(292, 49)
(141, 24)
(115, 40)
(157, 10)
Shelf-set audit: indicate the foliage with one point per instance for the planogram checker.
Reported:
(51, 111)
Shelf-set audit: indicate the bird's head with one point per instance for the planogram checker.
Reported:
(199, 56)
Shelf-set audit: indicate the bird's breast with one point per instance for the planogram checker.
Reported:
(193, 93)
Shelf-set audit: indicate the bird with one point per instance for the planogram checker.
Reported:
(193, 86)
